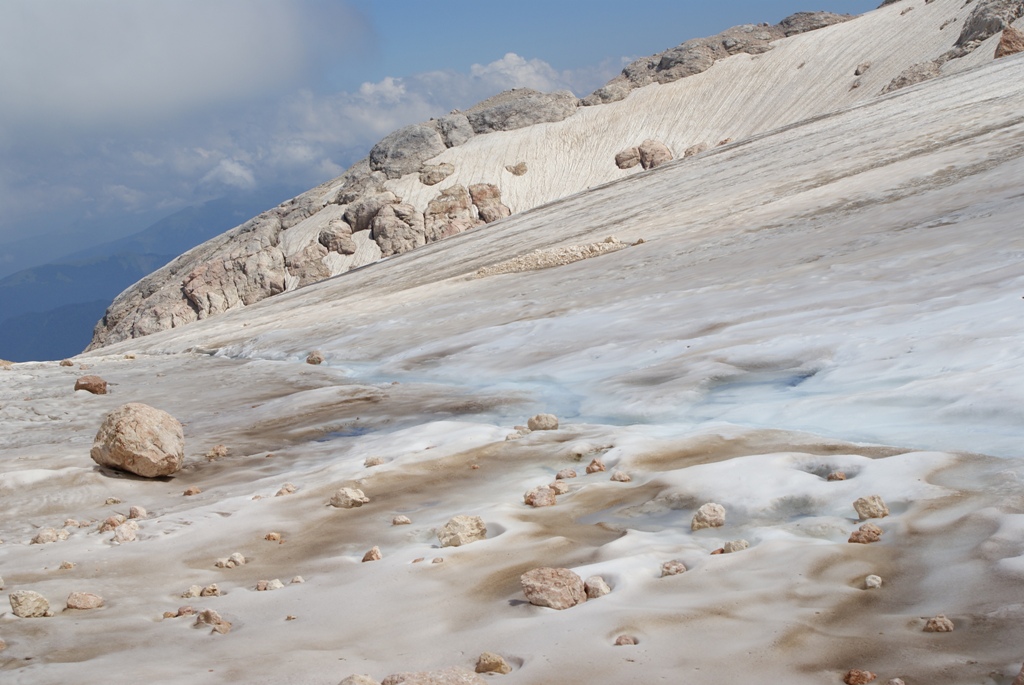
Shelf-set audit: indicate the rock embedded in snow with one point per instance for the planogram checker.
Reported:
(337, 237)
(988, 18)
(487, 198)
(595, 466)
(672, 568)
(370, 462)
(140, 439)
(653, 153)
(137, 512)
(92, 384)
(564, 474)
(209, 617)
(462, 530)
(216, 452)
(866, 534)
(696, 149)
(543, 422)
(192, 591)
(735, 546)
(373, 555)
(232, 561)
(268, 585)
(64, 566)
(349, 498)
(446, 676)
(560, 487)
(836, 476)
(862, 68)
(84, 600)
(211, 590)
(914, 74)
(358, 679)
(432, 174)
(871, 507)
(872, 582)
(558, 588)
(540, 496)
(401, 520)
(404, 151)
(398, 228)
(65, 362)
(621, 477)
(517, 169)
(899, 681)
(316, 357)
(595, 586)
(856, 676)
(286, 489)
(126, 532)
(709, 515)
(938, 624)
(448, 214)
(625, 640)
(48, 535)
(29, 604)
(628, 158)
(489, 662)
(1010, 43)
(192, 491)
(111, 522)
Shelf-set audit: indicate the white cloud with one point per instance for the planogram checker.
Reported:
(231, 173)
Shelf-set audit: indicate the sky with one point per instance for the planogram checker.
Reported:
(115, 113)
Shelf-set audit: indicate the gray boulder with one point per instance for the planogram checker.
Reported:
(988, 18)
(432, 174)
(454, 129)
(337, 237)
(520, 107)
(404, 151)
(361, 213)
(398, 228)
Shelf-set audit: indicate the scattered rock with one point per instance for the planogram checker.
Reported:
(137, 513)
(595, 466)
(558, 588)
(48, 535)
(595, 586)
(209, 617)
(140, 439)
(404, 151)
(401, 521)
(862, 68)
(540, 496)
(872, 582)
(192, 591)
(66, 362)
(938, 624)
(210, 590)
(543, 422)
(437, 560)
(560, 487)
(216, 452)
(297, 580)
(899, 681)
(724, 141)
(489, 662)
(735, 546)
(858, 677)
(653, 153)
(517, 169)
(710, 515)
(234, 560)
(29, 604)
(621, 477)
(316, 357)
(625, 640)
(1011, 42)
(84, 600)
(836, 476)
(462, 530)
(628, 158)
(357, 679)
(126, 532)
(373, 554)
(111, 522)
(268, 585)
(373, 461)
(871, 507)
(272, 537)
(720, 550)
(866, 534)
(432, 174)
(487, 198)
(672, 568)
(564, 474)
(64, 566)
(192, 491)
(696, 149)
(447, 676)
(913, 74)
(93, 384)
(349, 498)
(111, 500)
(286, 489)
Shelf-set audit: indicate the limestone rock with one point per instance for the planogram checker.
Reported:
(337, 237)
(29, 604)
(450, 213)
(595, 466)
(48, 535)
(625, 640)
(1019, 680)
(232, 561)
(216, 452)
(111, 522)
(358, 679)
(938, 624)
(140, 439)
(672, 568)
(126, 532)
(487, 198)
(446, 676)
(520, 107)
(710, 515)
(489, 662)
(836, 476)
(209, 617)
(308, 265)
(454, 129)
(373, 555)
(401, 521)
(595, 586)
(404, 151)
(862, 68)
(543, 422)
(192, 491)
(628, 158)
(653, 153)
(373, 461)
(866, 534)
(1010, 43)
(84, 600)
(565, 473)
(517, 169)
(988, 18)
(913, 74)
(349, 498)
(558, 588)
(432, 174)
(858, 677)
(621, 477)
(540, 496)
(735, 546)
(93, 384)
(272, 537)
(286, 489)
(871, 507)
(398, 228)
(872, 582)
(361, 213)
(268, 585)
(696, 149)
(211, 590)
(64, 566)
(560, 487)
(66, 362)
(462, 530)
(315, 358)
(900, 681)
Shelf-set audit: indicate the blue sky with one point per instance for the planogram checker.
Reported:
(118, 112)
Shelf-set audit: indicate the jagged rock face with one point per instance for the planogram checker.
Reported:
(914, 74)
(1010, 43)
(450, 213)
(337, 237)
(404, 151)
(398, 228)
(487, 198)
(519, 108)
(360, 214)
(989, 18)
(697, 55)
(454, 129)
(308, 265)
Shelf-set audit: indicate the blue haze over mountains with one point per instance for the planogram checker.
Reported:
(48, 311)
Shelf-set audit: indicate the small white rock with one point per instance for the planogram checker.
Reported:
(349, 498)
(595, 586)
(401, 520)
(710, 515)
(872, 582)
(735, 546)
(137, 513)
(543, 422)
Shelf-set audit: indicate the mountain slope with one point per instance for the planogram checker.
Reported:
(384, 204)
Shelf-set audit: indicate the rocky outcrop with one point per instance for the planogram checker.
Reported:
(519, 108)
(404, 151)
(361, 213)
(699, 54)
(487, 198)
(450, 213)
(988, 18)
(653, 153)
(914, 74)
(337, 237)
(1010, 43)
(432, 174)
(308, 264)
(455, 129)
(140, 439)
(398, 228)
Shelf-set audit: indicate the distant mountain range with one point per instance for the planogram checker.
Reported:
(49, 311)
